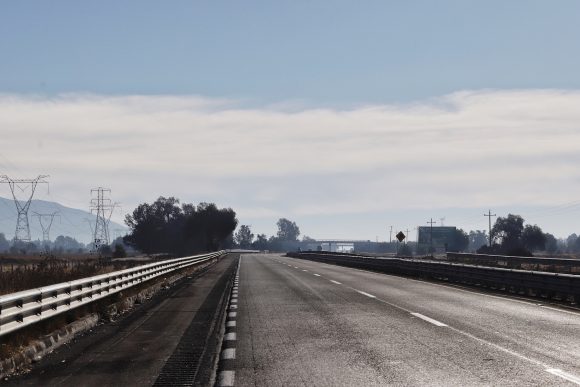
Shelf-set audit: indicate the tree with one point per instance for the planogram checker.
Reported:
(477, 239)
(4, 244)
(571, 243)
(67, 244)
(551, 243)
(210, 227)
(261, 242)
(165, 227)
(119, 251)
(244, 237)
(533, 238)
(287, 230)
(508, 232)
(460, 240)
(155, 228)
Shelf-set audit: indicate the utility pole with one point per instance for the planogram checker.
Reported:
(408, 236)
(431, 223)
(391, 235)
(489, 215)
(22, 226)
(46, 227)
(103, 207)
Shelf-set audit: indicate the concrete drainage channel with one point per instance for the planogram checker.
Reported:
(226, 374)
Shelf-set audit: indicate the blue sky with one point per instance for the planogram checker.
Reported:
(346, 117)
(316, 52)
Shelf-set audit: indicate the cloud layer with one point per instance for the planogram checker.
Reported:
(469, 149)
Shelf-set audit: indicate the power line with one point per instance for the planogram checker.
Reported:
(103, 207)
(489, 215)
(22, 226)
(431, 223)
(49, 218)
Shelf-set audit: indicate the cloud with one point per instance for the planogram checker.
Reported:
(467, 149)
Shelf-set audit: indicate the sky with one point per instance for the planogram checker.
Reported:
(346, 117)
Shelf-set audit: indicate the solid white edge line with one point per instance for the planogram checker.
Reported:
(365, 294)
(226, 378)
(335, 282)
(429, 319)
(569, 377)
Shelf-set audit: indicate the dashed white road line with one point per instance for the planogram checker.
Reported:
(569, 377)
(230, 324)
(295, 267)
(365, 293)
(226, 378)
(230, 336)
(554, 371)
(318, 275)
(229, 354)
(232, 314)
(304, 270)
(429, 319)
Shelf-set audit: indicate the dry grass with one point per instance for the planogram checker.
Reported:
(28, 272)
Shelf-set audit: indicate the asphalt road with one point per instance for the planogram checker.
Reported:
(300, 322)
(167, 341)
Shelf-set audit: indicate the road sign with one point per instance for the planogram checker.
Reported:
(400, 236)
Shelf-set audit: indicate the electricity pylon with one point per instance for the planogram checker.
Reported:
(22, 227)
(49, 218)
(103, 208)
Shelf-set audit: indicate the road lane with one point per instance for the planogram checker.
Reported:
(549, 335)
(350, 327)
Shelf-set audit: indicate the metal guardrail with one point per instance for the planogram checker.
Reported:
(21, 309)
(558, 265)
(535, 283)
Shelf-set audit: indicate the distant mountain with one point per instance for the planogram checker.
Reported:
(72, 221)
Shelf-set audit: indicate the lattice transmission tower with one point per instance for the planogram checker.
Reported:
(18, 187)
(45, 221)
(103, 208)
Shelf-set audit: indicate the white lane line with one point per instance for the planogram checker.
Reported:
(229, 353)
(233, 307)
(230, 324)
(233, 314)
(569, 377)
(429, 319)
(318, 275)
(335, 282)
(230, 336)
(304, 270)
(234, 301)
(226, 378)
(295, 267)
(365, 293)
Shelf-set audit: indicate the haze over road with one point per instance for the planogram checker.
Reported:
(307, 323)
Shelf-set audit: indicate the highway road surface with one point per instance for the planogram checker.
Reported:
(304, 323)
(293, 322)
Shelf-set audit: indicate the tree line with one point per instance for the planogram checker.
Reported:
(166, 226)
